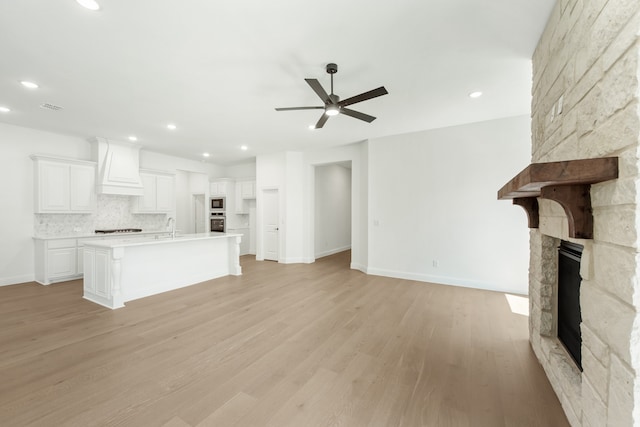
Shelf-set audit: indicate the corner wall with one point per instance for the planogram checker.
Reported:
(433, 209)
(585, 105)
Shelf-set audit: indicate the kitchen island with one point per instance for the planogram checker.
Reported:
(117, 271)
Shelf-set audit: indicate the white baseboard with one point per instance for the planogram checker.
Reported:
(332, 251)
(296, 260)
(440, 280)
(360, 267)
(14, 280)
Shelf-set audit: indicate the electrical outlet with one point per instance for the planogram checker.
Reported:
(436, 263)
(376, 223)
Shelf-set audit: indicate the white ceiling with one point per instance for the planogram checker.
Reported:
(217, 69)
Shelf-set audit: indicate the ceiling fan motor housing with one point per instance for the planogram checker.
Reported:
(332, 68)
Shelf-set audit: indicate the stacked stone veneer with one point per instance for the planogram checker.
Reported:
(585, 105)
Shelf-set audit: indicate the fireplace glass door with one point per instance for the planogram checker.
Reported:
(569, 317)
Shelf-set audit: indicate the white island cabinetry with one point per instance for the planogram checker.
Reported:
(123, 270)
(64, 185)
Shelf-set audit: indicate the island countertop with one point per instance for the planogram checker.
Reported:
(126, 241)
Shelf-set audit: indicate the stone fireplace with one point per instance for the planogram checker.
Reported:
(585, 106)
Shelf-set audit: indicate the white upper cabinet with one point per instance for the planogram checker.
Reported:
(245, 190)
(219, 188)
(158, 194)
(82, 184)
(64, 185)
(248, 189)
(164, 193)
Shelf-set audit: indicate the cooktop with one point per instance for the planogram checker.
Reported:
(119, 230)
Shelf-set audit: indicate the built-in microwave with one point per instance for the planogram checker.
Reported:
(216, 204)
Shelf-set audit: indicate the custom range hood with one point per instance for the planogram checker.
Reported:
(118, 167)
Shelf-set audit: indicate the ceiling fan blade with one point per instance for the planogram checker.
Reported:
(322, 121)
(357, 114)
(364, 96)
(318, 89)
(299, 108)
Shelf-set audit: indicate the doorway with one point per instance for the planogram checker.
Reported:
(332, 208)
(271, 215)
(271, 230)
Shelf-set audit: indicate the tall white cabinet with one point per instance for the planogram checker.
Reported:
(64, 185)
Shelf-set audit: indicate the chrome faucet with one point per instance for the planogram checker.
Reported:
(171, 222)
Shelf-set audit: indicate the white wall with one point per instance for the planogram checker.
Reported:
(241, 170)
(433, 207)
(16, 186)
(332, 209)
(164, 162)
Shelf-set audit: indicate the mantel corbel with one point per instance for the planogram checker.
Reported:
(567, 183)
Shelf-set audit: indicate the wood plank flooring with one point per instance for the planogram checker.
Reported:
(282, 345)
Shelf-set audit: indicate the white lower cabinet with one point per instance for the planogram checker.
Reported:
(99, 279)
(62, 262)
(59, 260)
(56, 260)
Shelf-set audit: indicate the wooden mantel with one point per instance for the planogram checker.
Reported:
(568, 183)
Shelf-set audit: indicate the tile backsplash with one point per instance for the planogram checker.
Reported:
(112, 211)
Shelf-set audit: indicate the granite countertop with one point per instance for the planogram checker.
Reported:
(95, 235)
(164, 239)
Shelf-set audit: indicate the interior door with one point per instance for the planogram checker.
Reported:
(271, 224)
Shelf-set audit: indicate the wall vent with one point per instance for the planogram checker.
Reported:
(51, 106)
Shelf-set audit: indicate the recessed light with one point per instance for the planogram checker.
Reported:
(30, 85)
(205, 154)
(4, 109)
(171, 126)
(244, 148)
(476, 94)
(133, 138)
(89, 4)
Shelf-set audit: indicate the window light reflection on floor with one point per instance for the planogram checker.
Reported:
(518, 304)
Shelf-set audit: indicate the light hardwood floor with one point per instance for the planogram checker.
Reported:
(282, 345)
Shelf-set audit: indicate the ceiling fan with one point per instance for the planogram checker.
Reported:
(332, 104)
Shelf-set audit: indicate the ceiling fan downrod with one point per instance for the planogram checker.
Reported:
(332, 69)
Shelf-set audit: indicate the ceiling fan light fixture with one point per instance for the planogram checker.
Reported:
(332, 110)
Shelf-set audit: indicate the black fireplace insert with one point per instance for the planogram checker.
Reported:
(569, 316)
